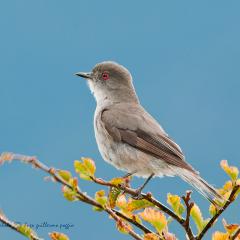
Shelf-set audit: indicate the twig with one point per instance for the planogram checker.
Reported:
(189, 206)
(214, 218)
(15, 226)
(236, 234)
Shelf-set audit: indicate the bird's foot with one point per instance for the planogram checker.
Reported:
(138, 194)
(127, 179)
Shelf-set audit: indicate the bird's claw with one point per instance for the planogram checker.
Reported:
(138, 195)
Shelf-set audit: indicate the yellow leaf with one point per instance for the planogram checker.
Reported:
(69, 194)
(197, 218)
(113, 196)
(230, 170)
(230, 228)
(73, 182)
(155, 218)
(6, 156)
(123, 226)
(175, 202)
(117, 181)
(66, 175)
(227, 186)
(151, 236)
(25, 230)
(90, 165)
(121, 202)
(58, 236)
(86, 168)
(220, 236)
(101, 199)
(212, 210)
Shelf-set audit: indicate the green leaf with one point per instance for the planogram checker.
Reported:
(197, 218)
(66, 175)
(58, 236)
(175, 202)
(86, 169)
(230, 170)
(113, 196)
(134, 205)
(69, 194)
(101, 199)
(25, 230)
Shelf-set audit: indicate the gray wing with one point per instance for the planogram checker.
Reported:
(135, 127)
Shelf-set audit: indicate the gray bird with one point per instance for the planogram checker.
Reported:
(129, 138)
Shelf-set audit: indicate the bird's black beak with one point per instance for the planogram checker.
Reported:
(84, 75)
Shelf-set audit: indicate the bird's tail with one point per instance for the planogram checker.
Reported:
(208, 191)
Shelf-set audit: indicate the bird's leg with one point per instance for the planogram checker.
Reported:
(139, 190)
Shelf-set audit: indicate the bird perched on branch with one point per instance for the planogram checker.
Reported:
(129, 138)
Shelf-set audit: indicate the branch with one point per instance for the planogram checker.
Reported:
(214, 218)
(119, 216)
(236, 234)
(184, 223)
(83, 197)
(189, 206)
(16, 226)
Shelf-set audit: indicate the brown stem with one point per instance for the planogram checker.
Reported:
(214, 218)
(189, 206)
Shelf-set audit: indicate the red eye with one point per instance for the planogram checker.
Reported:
(105, 76)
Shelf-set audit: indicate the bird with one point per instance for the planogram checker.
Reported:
(129, 138)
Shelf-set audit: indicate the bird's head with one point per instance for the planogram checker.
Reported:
(110, 81)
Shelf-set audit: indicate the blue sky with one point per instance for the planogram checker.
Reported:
(184, 58)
